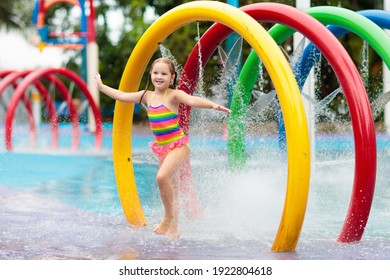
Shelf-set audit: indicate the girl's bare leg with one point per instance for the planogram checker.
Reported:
(173, 231)
(168, 192)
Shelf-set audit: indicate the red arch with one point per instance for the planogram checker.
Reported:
(11, 78)
(47, 73)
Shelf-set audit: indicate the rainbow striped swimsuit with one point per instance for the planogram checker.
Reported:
(166, 129)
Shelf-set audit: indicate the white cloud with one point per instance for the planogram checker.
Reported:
(17, 53)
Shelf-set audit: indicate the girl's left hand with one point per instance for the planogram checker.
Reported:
(97, 80)
(222, 109)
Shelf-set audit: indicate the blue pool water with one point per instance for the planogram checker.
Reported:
(63, 204)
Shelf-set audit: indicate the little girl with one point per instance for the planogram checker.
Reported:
(171, 144)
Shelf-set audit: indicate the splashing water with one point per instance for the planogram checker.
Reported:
(165, 52)
(76, 214)
(322, 105)
(262, 101)
(364, 66)
(199, 90)
(296, 57)
(230, 69)
(379, 104)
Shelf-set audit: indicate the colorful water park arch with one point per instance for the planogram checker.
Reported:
(340, 61)
(9, 78)
(291, 104)
(32, 78)
(365, 148)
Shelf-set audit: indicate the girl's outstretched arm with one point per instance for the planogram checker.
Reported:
(199, 102)
(115, 93)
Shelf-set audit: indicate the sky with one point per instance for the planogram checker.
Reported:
(16, 52)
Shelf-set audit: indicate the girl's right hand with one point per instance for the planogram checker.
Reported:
(222, 109)
(97, 80)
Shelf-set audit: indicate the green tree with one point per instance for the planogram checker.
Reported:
(15, 14)
(113, 55)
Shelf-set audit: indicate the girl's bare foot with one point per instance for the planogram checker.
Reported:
(163, 227)
(173, 232)
(168, 228)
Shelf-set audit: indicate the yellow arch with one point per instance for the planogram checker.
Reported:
(285, 85)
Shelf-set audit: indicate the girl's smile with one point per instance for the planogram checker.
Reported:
(161, 76)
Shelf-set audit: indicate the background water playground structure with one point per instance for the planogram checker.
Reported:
(84, 40)
(122, 125)
(31, 78)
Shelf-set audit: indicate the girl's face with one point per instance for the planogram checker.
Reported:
(161, 76)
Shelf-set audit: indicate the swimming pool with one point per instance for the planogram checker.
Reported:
(63, 204)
